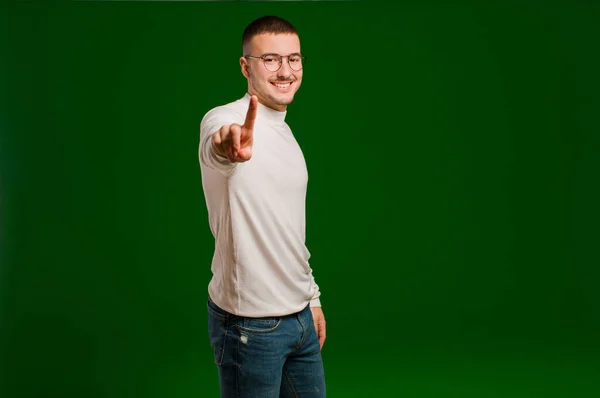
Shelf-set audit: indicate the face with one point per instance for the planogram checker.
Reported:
(273, 89)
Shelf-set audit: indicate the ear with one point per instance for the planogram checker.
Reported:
(244, 67)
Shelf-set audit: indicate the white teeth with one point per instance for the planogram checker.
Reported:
(282, 85)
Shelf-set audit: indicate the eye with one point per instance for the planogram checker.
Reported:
(270, 59)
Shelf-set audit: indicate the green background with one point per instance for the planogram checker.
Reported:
(452, 206)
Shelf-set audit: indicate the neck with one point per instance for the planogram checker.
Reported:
(264, 102)
(267, 112)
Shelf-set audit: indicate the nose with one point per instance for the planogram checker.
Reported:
(284, 70)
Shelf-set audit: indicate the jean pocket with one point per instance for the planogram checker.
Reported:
(259, 325)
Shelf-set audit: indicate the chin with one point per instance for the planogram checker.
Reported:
(285, 101)
(281, 100)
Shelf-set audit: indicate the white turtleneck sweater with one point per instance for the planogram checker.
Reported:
(256, 213)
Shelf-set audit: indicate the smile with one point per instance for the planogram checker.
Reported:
(282, 85)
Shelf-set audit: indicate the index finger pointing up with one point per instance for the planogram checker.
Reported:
(251, 115)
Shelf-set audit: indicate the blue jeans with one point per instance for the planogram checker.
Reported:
(266, 357)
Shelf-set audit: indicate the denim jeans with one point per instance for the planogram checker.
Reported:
(266, 357)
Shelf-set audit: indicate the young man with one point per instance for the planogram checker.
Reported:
(265, 321)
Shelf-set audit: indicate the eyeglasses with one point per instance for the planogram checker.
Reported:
(273, 62)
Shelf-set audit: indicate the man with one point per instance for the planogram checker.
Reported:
(265, 321)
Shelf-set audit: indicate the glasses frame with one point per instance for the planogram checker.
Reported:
(262, 57)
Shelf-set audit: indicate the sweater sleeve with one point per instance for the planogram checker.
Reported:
(315, 301)
(211, 122)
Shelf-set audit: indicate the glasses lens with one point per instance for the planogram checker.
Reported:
(296, 62)
(272, 63)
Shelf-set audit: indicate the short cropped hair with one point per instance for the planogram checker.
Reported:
(267, 24)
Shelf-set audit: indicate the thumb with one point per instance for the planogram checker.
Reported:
(245, 153)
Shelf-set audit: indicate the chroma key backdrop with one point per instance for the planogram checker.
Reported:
(453, 156)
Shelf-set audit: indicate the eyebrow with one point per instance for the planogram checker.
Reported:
(265, 54)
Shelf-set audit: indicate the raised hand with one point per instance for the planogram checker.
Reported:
(234, 141)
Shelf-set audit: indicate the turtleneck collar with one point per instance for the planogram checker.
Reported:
(264, 112)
